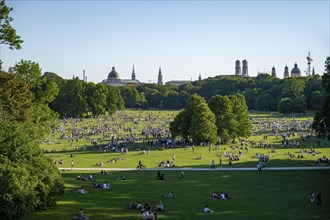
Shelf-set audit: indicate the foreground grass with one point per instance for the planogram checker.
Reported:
(269, 195)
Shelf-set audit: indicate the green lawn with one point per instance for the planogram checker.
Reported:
(268, 195)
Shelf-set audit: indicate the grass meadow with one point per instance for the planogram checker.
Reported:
(268, 195)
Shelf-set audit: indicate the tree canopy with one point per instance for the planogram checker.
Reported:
(321, 122)
(8, 34)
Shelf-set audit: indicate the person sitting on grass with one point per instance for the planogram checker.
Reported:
(80, 215)
(169, 195)
(121, 177)
(160, 206)
(136, 205)
(215, 195)
(106, 185)
(207, 209)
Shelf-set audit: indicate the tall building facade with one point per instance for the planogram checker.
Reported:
(245, 70)
(295, 72)
(160, 77)
(273, 72)
(237, 68)
(286, 72)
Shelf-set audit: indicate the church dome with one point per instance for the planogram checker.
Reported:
(113, 74)
(295, 69)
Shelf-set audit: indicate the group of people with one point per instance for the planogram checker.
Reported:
(105, 185)
(147, 212)
(221, 195)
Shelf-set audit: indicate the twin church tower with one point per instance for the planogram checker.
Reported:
(244, 72)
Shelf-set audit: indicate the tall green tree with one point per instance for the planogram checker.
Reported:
(71, 100)
(182, 123)
(8, 34)
(96, 97)
(243, 125)
(43, 93)
(321, 122)
(16, 98)
(203, 128)
(114, 100)
(222, 107)
(29, 181)
(131, 97)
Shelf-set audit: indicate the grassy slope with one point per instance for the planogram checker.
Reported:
(269, 195)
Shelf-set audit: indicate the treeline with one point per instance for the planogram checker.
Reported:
(263, 93)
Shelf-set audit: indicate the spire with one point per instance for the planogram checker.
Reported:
(199, 77)
(160, 77)
(313, 73)
(133, 74)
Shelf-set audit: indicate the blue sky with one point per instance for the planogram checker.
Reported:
(185, 38)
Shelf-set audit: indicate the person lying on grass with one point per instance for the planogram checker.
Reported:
(169, 195)
(105, 185)
(80, 177)
(207, 209)
(81, 190)
(221, 195)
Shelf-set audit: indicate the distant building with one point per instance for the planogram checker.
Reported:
(245, 71)
(237, 68)
(273, 72)
(295, 72)
(160, 77)
(286, 72)
(114, 79)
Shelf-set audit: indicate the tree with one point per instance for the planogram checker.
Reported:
(114, 100)
(8, 34)
(321, 122)
(71, 100)
(96, 97)
(28, 179)
(203, 128)
(222, 107)
(293, 87)
(265, 102)
(131, 97)
(16, 98)
(285, 106)
(43, 93)
(243, 125)
(182, 123)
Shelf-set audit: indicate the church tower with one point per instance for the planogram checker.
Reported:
(273, 72)
(286, 72)
(237, 68)
(245, 71)
(160, 77)
(199, 77)
(133, 74)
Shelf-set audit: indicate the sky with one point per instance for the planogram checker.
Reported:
(184, 38)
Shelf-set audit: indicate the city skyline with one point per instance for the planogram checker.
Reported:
(184, 38)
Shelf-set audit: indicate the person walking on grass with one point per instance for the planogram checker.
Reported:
(312, 197)
(71, 164)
